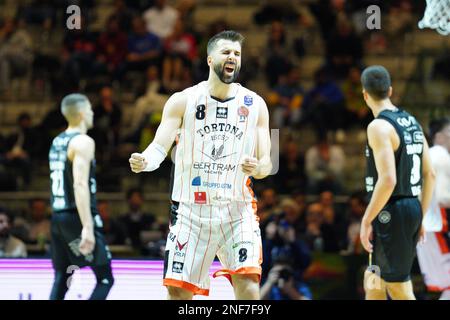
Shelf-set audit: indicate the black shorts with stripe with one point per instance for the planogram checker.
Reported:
(66, 236)
(395, 235)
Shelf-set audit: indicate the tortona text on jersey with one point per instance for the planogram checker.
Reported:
(220, 127)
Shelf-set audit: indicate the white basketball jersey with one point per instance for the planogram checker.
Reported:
(440, 160)
(214, 137)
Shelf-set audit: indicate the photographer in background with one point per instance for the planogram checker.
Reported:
(281, 283)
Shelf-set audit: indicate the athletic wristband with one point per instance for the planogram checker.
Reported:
(154, 155)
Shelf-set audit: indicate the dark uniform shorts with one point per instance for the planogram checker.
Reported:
(66, 236)
(395, 235)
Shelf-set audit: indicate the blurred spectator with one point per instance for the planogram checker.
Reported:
(161, 19)
(267, 207)
(39, 227)
(326, 13)
(51, 125)
(291, 171)
(333, 214)
(281, 283)
(115, 233)
(281, 240)
(294, 215)
(277, 61)
(180, 51)
(107, 118)
(288, 99)
(144, 48)
(320, 236)
(135, 221)
(123, 15)
(38, 12)
(78, 54)
(22, 147)
(152, 100)
(282, 10)
(357, 114)
(112, 49)
(344, 49)
(356, 207)
(324, 165)
(10, 246)
(324, 104)
(16, 53)
(399, 21)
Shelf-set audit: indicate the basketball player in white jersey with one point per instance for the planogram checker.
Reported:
(223, 141)
(434, 253)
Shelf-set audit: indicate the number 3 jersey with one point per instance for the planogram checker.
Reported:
(408, 157)
(214, 137)
(62, 191)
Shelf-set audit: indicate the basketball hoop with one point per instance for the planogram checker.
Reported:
(437, 16)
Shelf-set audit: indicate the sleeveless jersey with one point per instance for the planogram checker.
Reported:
(215, 135)
(408, 157)
(62, 191)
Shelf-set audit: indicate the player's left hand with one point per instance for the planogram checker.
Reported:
(249, 165)
(366, 236)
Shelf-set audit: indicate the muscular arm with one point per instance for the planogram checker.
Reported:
(171, 120)
(81, 152)
(260, 166)
(155, 153)
(428, 177)
(380, 135)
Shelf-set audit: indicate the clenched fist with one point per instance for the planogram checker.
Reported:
(137, 162)
(249, 165)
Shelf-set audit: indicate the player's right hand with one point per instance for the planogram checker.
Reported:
(87, 243)
(137, 162)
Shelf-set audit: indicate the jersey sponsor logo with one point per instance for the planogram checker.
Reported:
(407, 137)
(180, 246)
(248, 100)
(177, 267)
(241, 243)
(418, 137)
(222, 113)
(243, 114)
(61, 142)
(384, 217)
(216, 153)
(369, 184)
(216, 185)
(172, 236)
(220, 127)
(200, 197)
(416, 190)
(415, 148)
(406, 122)
(197, 181)
(214, 168)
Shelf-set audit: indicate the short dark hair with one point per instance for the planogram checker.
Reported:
(436, 125)
(376, 81)
(225, 35)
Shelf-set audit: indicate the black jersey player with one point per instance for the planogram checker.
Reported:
(76, 228)
(398, 172)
